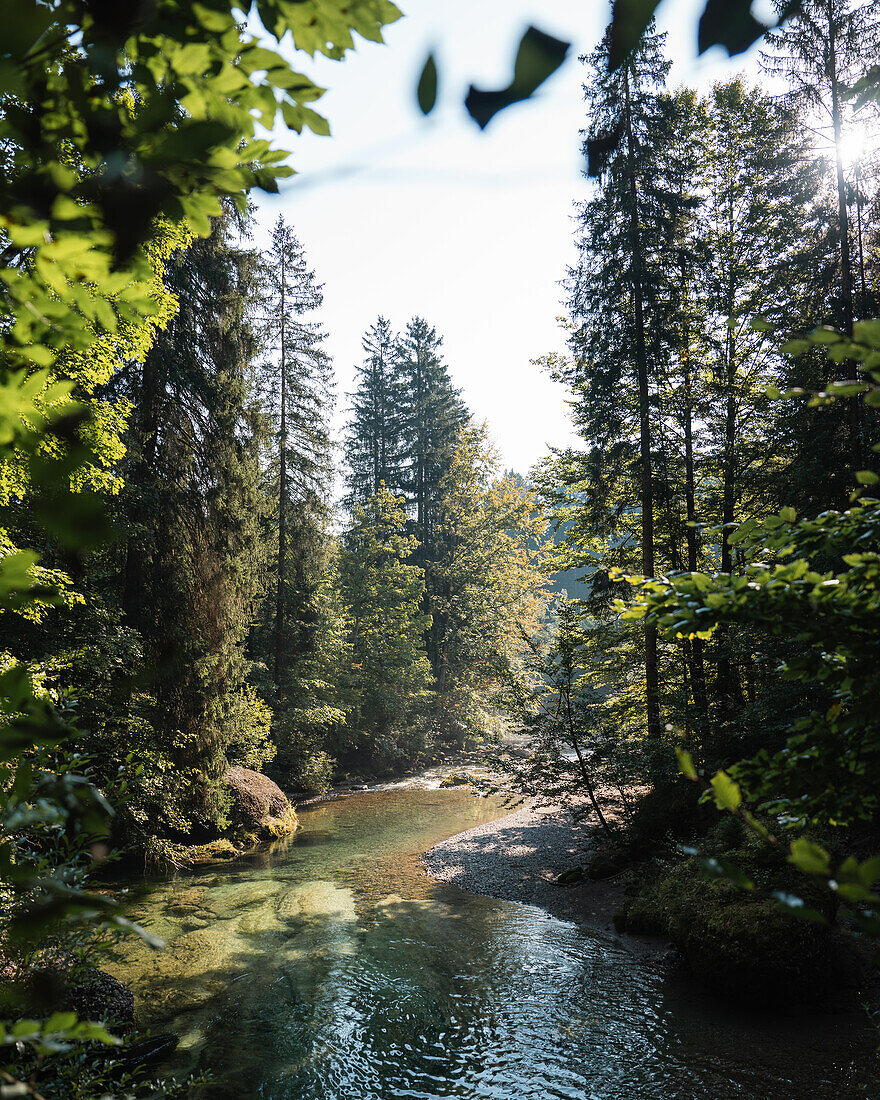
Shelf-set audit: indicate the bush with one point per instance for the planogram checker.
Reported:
(668, 810)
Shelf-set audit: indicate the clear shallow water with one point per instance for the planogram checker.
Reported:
(332, 968)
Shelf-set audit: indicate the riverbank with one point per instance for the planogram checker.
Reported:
(519, 858)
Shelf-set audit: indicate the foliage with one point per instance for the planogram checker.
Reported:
(487, 585)
(181, 90)
(383, 589)
(122, 130)
(817, 579)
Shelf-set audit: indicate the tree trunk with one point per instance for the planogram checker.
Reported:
(147, 429)
(652, 687)
(697, 668)
(282, 494)
(842, 217)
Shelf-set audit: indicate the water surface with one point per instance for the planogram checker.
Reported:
(332, 968)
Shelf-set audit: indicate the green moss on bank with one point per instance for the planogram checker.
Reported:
(739, 943)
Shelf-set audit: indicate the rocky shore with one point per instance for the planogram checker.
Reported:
(519, 858)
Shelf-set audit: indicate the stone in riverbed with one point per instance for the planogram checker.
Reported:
(260, 805)
(317, 899)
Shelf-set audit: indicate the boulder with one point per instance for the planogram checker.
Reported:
(97, 995)
(318, 898)
(260, 804)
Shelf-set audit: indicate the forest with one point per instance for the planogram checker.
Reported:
(219, 609)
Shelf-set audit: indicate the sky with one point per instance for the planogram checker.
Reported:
(403, 215)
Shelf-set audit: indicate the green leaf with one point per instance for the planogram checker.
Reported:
(867, 332)
(426, 93)
(795, 907)
(629, 21)
(809, 857)
(726, 792)
(795, 347)
(539, 56)
(846, 389)
(867, 477)
(869, 871)
(730, 24)
(721, 868)
(686, 764)
(60, 1021)
(825, 335)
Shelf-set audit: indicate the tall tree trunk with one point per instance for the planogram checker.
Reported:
(652, 687)
(727, 689)
(282, 493)
(147, 429)
(842, 216)
(695, 655)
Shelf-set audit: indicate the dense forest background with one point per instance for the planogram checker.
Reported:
(192, 596)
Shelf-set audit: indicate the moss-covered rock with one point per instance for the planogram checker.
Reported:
(607, 862)
(260, 806)
(739, 943)
(454, 779)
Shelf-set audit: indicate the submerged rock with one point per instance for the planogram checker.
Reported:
(260, 805)
(317, 899)
(222, 900)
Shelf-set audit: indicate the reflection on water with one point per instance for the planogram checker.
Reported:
(332, 968)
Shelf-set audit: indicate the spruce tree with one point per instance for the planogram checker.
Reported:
(431, 413)
(682, 179)
(297, 390)
(613, 290)
(821, 52)
(194, 561)
(373, 451)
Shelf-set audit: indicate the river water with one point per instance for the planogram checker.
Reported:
(332, 968)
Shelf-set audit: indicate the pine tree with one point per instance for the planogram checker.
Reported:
(612, 292)
(431, 413)
(383, 590)
(194, 562)
(373, 439)
(297, 390)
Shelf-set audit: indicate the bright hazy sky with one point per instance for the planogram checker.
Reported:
(403, 215)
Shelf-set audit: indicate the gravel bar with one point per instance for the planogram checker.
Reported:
(518, 858)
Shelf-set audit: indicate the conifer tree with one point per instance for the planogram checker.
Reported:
(683, 169)
(383, 590)
(612, 292)
(373, 439)
(297, 390)
(194, 562)
(821, 52)
(431, 414)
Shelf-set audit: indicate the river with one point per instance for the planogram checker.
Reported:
(332, 968)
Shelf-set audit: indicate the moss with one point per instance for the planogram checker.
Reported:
(739, 943)
(641, 916)
(163, 855)
(285, 824)
(456, 780)
(607, 862)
